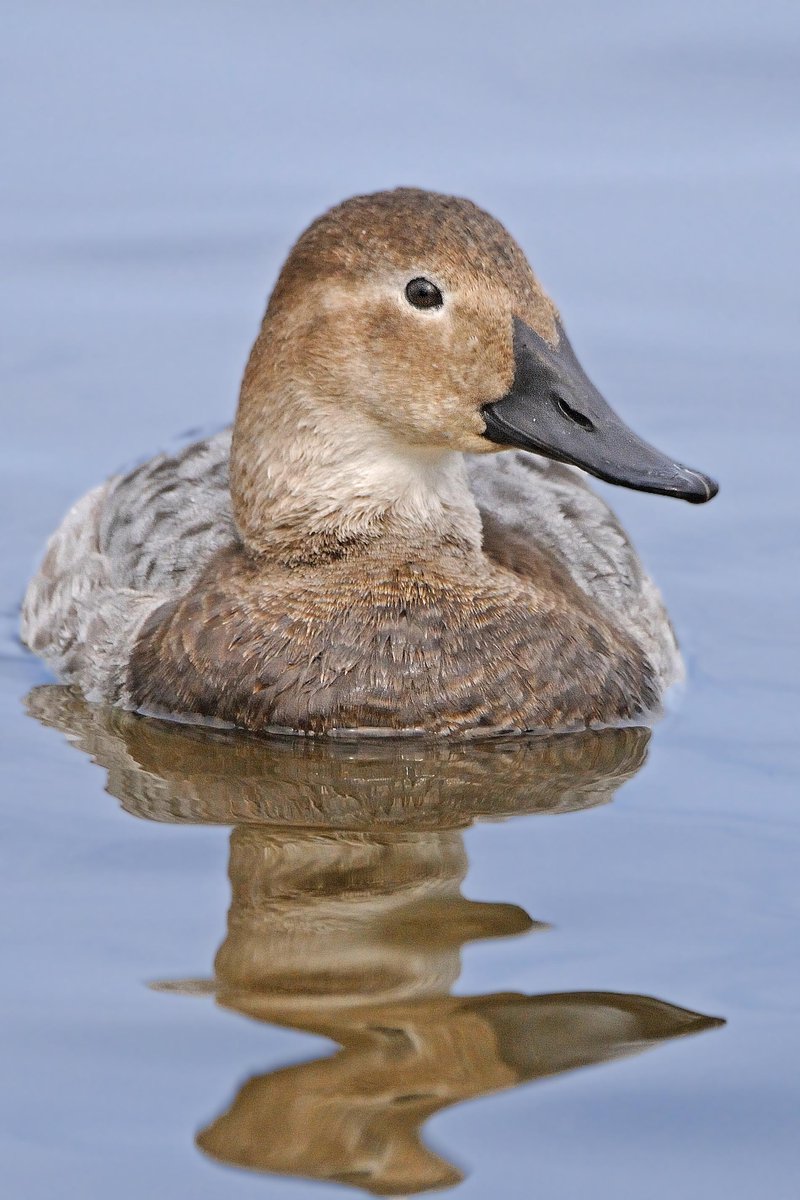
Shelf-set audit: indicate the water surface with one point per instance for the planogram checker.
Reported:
(233, 971)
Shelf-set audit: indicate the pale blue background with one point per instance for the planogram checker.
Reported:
(158, 160)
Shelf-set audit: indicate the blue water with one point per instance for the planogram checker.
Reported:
(158, 161)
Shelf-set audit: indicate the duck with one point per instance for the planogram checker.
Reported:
(397, 536)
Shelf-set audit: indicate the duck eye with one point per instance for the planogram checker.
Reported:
(423, 294)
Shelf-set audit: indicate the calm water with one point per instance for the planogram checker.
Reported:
(233, 969)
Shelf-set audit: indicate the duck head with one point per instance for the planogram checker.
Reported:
(411, 323)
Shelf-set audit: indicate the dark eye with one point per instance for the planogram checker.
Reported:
(423, 294)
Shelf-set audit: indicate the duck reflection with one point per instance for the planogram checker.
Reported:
(347, 921)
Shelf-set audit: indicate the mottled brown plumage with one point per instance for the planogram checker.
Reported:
(318, 628)
(366, 643)
(356, 561)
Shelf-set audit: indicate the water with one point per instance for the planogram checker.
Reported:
(192, 927)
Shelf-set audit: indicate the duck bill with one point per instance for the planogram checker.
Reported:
(554, 409)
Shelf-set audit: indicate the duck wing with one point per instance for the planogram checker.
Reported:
(123, 550)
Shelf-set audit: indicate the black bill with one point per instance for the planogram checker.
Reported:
(554, 409)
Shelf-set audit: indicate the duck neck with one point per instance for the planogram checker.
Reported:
(310, 485)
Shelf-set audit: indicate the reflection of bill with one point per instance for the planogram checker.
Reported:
(357, 938)
(355, 1117)
(347, 921)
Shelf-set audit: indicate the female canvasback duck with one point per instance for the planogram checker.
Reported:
(371, 553)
